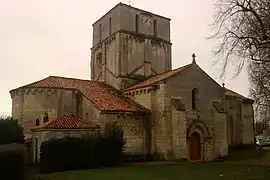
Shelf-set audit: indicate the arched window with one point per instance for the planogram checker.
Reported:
(46, 117)
(137, 23)
(155, 27)
(37, 122)
(100, 32)
(99, 59)
(195, 93)
(78, 103)
(110, 26)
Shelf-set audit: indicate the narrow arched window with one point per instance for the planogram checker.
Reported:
(78, 103)
(155, 27)
(46, 117)
(37, 122)
(100, 32)
(137, 23)
(195, 93)
(110, 26)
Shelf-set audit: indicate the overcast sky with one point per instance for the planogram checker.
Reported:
(39, 38)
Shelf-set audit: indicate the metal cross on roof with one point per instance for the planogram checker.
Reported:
(193, 58)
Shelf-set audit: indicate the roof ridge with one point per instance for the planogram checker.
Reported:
(29, 84)
(169, 71)
(68, 118)
(96, 92)
(237, 93)
(62, 77)
(75, 118)
(173, 72)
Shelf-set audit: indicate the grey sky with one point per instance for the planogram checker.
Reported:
(39, 38)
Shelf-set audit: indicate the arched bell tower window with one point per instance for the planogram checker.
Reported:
(110, 26)
(46, 117)
(37, 122)
(99, 59)
(100, 32)
(155, 27)
(78, 103)
(137, 23)
(195, 93)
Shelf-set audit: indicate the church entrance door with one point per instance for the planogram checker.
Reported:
(195, 147)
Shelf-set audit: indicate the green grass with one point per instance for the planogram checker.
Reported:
(181, 171)
(245, 154)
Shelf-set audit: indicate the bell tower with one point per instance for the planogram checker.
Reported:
(129, 45)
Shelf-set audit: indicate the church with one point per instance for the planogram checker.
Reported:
(177, 113)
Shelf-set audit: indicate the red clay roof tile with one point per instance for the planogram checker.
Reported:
(157, 78)
(103, 96)
(66, 122)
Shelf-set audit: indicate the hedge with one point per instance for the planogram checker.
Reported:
(90, 151)
(10, 131)
(12, 164)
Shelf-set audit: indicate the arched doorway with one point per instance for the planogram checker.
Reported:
(195, 147)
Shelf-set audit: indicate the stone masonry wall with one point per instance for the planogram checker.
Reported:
(42, 136)
(248, 124)
(89, 111)
(162, 120)
(32, 103)
(120, 53)
(133, 127)
(240, 122)
(123, 17)
(182, 84)
(220, 134)
(179, 139)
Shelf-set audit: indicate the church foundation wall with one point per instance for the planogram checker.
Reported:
(179, 139)
(220, 135)
(248, 124)
(33, 103)
(134, 130)
(41, 136)
(89, 112)
(162, 123)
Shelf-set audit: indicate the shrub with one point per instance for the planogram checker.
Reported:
(12, 165)
(241, 147)
(10, 131)
(114, 144)
(89, 151)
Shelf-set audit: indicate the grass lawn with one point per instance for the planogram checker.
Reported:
(181, 171)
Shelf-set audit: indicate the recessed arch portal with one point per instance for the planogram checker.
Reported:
(198, 135)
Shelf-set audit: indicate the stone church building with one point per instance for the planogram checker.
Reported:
(172, 113)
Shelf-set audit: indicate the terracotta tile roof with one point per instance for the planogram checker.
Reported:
(157, 78)
(103, 96)
(66, 122)
(230, 92)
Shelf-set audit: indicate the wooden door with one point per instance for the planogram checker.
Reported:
(195, 147)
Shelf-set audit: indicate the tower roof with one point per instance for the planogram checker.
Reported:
(128, 6)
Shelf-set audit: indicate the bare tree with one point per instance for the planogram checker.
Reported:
(242, 28)
(259, 78)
